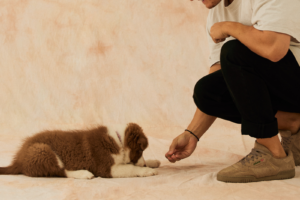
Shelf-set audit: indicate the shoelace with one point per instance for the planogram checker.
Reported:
(254, 154)
(286, 142)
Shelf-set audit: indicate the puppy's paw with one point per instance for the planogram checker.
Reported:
(80, 174)
(146, 171)
(153, 163)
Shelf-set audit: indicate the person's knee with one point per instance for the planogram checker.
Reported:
(201, 86)
(232, 46)
(201, 92)
(235, 52)
(231, 49)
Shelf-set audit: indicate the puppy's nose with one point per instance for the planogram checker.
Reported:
(145, 165)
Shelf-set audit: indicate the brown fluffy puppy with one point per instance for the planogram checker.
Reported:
(100, 152)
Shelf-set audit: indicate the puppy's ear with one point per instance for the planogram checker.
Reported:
(143, 143)
(135, 137)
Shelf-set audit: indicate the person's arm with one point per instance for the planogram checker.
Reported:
(215, 67)
(268, 44)
(201, 122)
(185, 144)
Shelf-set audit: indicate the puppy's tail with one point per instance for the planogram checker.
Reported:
(14, 169)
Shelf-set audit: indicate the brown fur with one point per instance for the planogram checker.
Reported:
(136, 140)
(78, 150)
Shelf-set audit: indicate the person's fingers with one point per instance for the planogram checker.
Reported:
(172, 147)
(174, 158)
(179, 156)
(167, 155)
(170, 157)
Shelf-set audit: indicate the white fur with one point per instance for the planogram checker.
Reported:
(79, 174)
(153, 163)
(120, 129)
(60, 163)
(123, 167)
(123, 171)
(141, 162)
(123, 157)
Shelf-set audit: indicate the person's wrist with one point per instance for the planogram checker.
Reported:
(226, 28)
(193, 135)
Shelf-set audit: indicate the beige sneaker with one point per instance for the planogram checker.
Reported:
(259, 165)
(291, 142)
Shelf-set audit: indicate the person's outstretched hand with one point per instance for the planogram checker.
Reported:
(182, 147)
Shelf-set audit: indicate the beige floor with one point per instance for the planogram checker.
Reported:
(73, 64)
(193, 178)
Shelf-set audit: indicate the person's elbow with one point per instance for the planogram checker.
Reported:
(277, 56)
(280, 49)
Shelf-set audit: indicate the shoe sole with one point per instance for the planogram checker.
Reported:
(281, 175)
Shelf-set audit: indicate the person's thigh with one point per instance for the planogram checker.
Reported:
(212, 97)
(284, 84)
(282, 78)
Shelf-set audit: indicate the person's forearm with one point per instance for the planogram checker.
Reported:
(257, 41)
(201, 123)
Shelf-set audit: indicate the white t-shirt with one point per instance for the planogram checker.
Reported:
(270, 15)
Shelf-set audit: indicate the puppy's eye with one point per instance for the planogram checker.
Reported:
(140, 151)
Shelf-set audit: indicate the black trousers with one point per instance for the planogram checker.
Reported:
(250, 89)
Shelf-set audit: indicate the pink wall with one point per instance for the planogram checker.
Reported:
(74, 64)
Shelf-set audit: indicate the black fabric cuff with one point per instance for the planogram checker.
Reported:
(260, 130)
